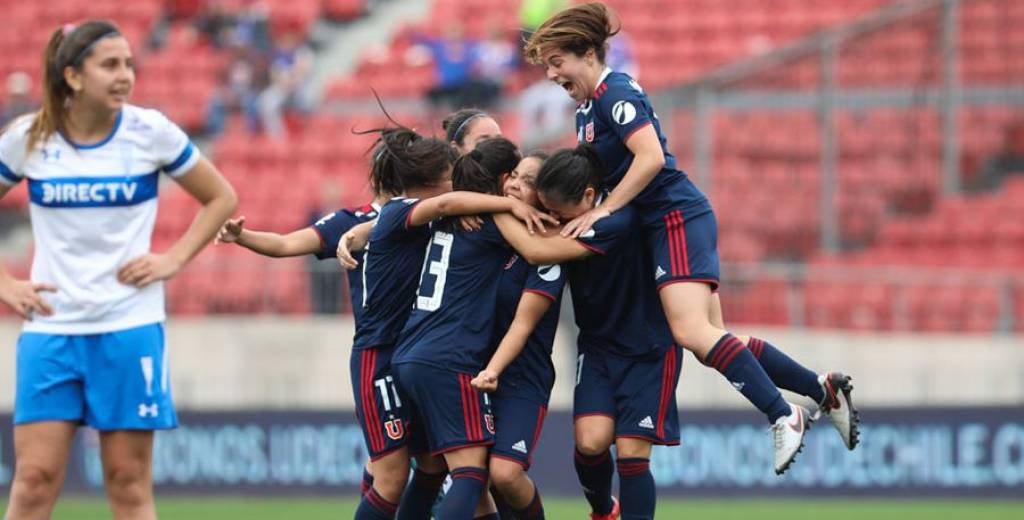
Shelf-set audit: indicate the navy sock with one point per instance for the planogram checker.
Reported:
(637, 495)
(732, 358)
(375, 507)
(505, 511)
(784, 371)
(468, 485)
(419, 495)
(595, 474)
(534, 511)
(367, 482)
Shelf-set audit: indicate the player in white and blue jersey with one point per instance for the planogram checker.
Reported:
(92, 347)
(615, 115)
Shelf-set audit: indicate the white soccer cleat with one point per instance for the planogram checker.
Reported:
(838, 406)
(788, 435)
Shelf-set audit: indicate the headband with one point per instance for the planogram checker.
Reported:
(458, 131)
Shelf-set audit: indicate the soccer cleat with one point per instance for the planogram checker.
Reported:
(838, 406)
(614, 515)
(788, 435)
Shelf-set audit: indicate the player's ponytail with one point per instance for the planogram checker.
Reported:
(481, 169)
(576, 29)
(567, 174)
(68, 47)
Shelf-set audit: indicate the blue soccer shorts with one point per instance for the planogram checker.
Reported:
(454, 415)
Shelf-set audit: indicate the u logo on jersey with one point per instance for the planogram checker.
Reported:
(395, 429)
(590, 132)
(489, 422)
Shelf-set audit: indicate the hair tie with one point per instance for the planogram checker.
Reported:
(476, 155)
(68, 29)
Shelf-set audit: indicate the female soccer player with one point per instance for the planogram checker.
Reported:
(394, 255)
(448, 336)
(529, 300)
(616, 117)
(628, 365)
(92, 350)
(467, 127)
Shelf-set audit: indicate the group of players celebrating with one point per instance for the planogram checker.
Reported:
(457, 269)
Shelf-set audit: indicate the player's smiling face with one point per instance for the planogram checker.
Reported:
(107, 75)
(572, 72)
(565, 211)
(521, 183)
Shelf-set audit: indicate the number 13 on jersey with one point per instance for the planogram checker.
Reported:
(438, 268)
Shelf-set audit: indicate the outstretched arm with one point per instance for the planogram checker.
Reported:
(301, 242)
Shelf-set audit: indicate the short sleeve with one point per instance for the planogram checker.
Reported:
(331, 228)
(12, 153)
(608, 232)
(175, 151)
(624, 107)
(396, 219)
(545, 280)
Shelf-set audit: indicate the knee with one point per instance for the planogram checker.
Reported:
(34, 485)
(128, 484)
(389, 481)
(506, 474)
(593, 444)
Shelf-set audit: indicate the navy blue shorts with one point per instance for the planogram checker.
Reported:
(518, 421)
(381, 407)
(640, 395)
(454, 414)
(684, 250)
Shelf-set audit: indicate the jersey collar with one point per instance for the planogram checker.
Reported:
(117, 125)
(600, 88)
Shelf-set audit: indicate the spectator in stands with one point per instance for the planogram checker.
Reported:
(325, 283)
(545, 110)
(498, 58)
(237, 95)
(290, 65)
(252, 26)
(1008, 161)
(216, 24)
(620, 55)
(19, 97)
(456, 59)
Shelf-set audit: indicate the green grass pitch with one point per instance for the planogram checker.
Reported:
(180, 508)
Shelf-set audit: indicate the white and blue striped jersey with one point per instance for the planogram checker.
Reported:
(93, 208)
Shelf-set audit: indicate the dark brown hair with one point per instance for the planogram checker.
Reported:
(68, 47)
(403, 159)
(569, 172)
(456, 125)
(576, 29)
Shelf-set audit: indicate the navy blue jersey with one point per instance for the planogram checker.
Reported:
(532, 373)
(453, 320)
(390, 269)
(331, 228)
(613, 292)
(618, 109)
